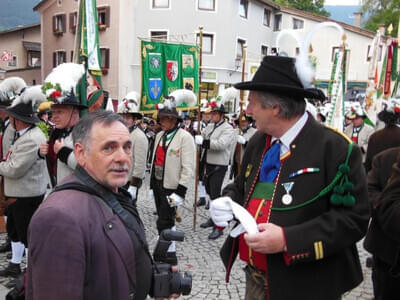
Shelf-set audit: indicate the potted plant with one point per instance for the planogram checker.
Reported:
(102, 26)
(58, 31)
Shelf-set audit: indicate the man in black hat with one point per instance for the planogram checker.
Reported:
(215, 141)
(172, 171)
(24, 173)
(59, 149)
(305, 186)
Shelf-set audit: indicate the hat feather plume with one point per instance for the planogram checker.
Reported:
(284, 33)
(182, 96)
(228, 95)
(304, 68)
(67, 75)
(32, 94)
(11, 85)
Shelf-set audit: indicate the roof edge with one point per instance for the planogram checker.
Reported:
(19, 28)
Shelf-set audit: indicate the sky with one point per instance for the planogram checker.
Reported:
(342, 2)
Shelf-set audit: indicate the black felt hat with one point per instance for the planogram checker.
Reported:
(277, 74)
(23, 112)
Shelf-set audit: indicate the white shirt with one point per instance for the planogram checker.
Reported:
(287, 138)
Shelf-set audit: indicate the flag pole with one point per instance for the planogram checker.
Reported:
(241, 103)
(198, 149)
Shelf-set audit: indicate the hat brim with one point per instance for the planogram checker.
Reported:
(78, 106)
(280, 89)
(30, 120)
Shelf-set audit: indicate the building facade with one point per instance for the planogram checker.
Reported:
(227, 25)
(20, 53)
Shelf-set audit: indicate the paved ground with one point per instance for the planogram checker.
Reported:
(200, 256)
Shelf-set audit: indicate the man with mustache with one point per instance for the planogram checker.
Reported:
(87, 239)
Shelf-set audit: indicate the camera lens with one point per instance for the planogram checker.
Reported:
(181, 284)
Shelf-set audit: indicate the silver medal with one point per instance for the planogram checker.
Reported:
(287, 199)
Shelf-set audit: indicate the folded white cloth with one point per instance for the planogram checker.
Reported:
(175, 200)
(222, 211)
(198, 139)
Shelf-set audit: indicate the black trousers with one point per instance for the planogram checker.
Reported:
(213, 180)
(166, 214)
(19, 215)
(385, 284)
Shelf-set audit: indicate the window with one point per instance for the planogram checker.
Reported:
(277, 22)
(264, 50)
(73, 21)
(59, 24)
(103, 17)
(267, 17)
(105, 58)
(239, 48)
(160, 3)
(208, 43)
(159, 35)
(379, 53)
(59, 57)
(13, 62)
(206, 4)
(243, 8)
(34, 59)
(298, 24)
(297, 51)
(72, 56)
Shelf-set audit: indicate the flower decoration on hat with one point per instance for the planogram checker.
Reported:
(60, 85)
(393, 106)
(130, 104)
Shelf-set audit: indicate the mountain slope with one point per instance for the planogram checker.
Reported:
(18, 12)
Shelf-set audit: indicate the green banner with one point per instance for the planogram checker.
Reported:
(90, 90)
(165, 68)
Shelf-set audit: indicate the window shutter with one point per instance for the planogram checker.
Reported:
(54, 59)
(71, 20)
(107, 64)
(54, 23)
(64, 54)
(64, 21)
(107, 16)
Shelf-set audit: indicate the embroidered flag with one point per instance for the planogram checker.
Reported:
(165, 68)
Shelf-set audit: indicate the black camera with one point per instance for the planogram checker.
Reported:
(165, 281)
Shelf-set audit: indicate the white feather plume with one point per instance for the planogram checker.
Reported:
(304, 68)
(287, 32)
(183, 96)
(67, 75)
(11, 85)
(133, 96)
(229, 94)
(33, 94)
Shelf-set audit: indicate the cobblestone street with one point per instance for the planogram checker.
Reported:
(200, 256)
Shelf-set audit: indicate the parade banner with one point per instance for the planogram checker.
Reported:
(373, 54)
(88, 52)
(165, 68)
(380, 88)
(336, 90)
(388, 73)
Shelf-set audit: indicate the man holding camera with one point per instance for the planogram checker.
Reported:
(87, 240)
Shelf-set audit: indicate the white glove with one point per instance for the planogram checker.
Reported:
(198, 140)
(221, 211)
(241, 139)
(175, 200)
(132, 190)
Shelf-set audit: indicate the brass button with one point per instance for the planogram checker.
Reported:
(293, 146)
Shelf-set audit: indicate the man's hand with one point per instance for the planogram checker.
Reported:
(198, 140)
(175, 200)
(44, 149)
(241, 139)
(220, 211)
(269, 240)
(58, 144)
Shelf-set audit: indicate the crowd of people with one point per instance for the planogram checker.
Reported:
(70, 187)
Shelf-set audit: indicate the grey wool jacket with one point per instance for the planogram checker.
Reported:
(23, 170)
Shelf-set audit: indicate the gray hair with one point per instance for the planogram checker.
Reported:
(82, 131)
(289, 106)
